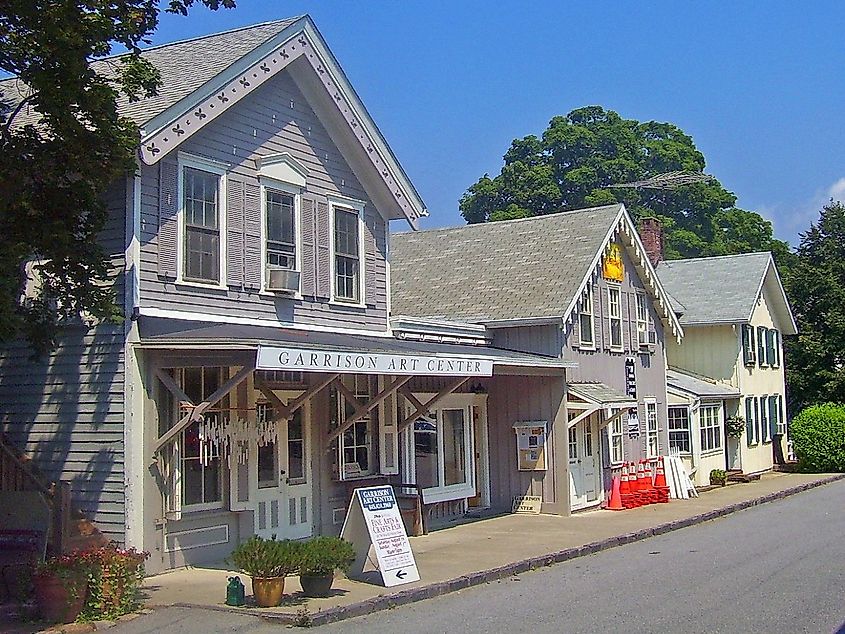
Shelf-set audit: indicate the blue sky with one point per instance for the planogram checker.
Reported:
(759, 86)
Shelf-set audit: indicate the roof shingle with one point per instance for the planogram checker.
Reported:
(515, 269)
(720, 289)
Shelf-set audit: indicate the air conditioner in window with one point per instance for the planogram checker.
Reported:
(281, 280)
(647, 340)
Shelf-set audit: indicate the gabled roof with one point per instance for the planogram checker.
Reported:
(725, 289)
(515, 271)
(203, 77)
(698, 386)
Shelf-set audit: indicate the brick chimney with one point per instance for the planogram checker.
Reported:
(651, 233)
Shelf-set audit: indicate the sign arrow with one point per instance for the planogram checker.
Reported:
(401, 574)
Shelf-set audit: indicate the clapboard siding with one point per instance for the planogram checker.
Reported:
(66, 410)
(538, 401)
(264, 124)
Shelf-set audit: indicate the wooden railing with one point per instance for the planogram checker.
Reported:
(17, 475)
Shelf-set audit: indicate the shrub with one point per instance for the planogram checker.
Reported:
(718, 476)
(818, 437)
(264, 558)
(323, 555)
(114, 577)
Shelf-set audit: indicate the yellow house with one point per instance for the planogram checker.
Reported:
(735, 313)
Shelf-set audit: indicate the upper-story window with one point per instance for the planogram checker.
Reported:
(280, 228)
(347, 255)
(614, 314)
(585, 319)
(202, 243)
(762, 339)
(642, 320)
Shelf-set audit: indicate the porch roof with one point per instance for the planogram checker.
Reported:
(601, 394)
(169, 334)
(683, 382)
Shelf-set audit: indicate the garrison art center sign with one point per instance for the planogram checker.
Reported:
(352, 361)
(373, 520)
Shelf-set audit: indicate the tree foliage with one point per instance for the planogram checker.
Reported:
(581, 155)
(55, 166)
(816, 287)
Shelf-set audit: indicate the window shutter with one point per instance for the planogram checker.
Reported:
(239, 484)
(234, 232)
(309, 259)
(775, 347)
(168, 223)
(764, 418)
(774, 417)
(174, 479)
(625, 312)
(252, 237)
(323, 250)
(388, 437)
(782, 414)
(604, 317)
(372, 230)
(745, 344)
(761, 346)
(576, 324)
(749, 422)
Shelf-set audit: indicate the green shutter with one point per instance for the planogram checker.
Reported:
(749, 423)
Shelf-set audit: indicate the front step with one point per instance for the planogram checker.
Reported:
(738, 476)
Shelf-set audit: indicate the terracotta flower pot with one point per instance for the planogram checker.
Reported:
(60, 599)
(316, 585)
(268, 591)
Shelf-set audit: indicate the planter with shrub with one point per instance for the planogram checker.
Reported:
(61, 586)
(319, 559)
(267, 562)
(735, 426)
(818, 438)
(718, 477)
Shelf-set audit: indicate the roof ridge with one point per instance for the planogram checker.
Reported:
(717, 257)
(508, 221)
(196, 38)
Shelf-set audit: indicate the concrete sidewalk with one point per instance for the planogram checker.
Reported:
(482, 551)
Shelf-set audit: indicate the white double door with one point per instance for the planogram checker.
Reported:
(282, 497)
(583, 464)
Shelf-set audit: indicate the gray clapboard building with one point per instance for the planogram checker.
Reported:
(576, 285)
(258, 379)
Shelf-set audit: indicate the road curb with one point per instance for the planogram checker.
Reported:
(429, 591)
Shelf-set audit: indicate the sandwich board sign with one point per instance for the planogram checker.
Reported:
(373, 521)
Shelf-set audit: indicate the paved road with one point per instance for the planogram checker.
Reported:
(776, 568)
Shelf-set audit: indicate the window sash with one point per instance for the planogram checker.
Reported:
(710, 425)
(202, 484)
(347, 255)
(616, 452)
(679, 429)
(642, 319)
(614, 312)
(652, 433)
(585, 320)
(280, 229)
(201, 241)
(761, 346)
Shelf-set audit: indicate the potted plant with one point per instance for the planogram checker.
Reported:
(114, 577)
(735, 426)
(319, 559)
(267, 562)
(60, 585)
(718, 477)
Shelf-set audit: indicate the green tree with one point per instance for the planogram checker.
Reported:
(61, 145)
(816, 286)
(581, 155)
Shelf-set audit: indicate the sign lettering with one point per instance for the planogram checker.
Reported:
(295, 359)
